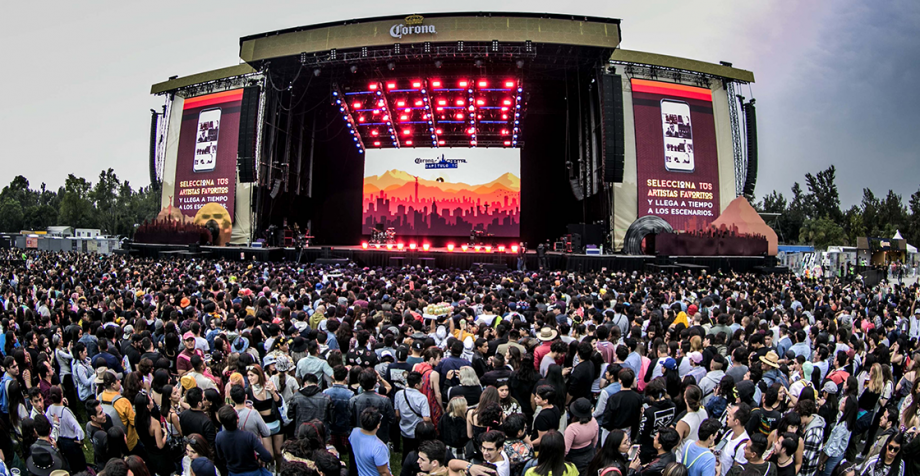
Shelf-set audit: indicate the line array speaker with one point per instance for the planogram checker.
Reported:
(750, 123)
(246, 147)
(612, 130)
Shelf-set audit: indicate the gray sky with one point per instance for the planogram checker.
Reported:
(835, 80)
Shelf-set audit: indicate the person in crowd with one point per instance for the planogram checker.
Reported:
(411, 409)
(666, 440)
(370, 454)
(194, 420)
(119, 408)
(813, 428)
(241, 451)
(69, 433)
(696, 455)
(581, 435)
(310, 403)
(551, 460)
(733, 442)
(754, 463)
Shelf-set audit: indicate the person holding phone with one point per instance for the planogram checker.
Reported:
(664, 442)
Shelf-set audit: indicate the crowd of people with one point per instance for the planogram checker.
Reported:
(117, 365)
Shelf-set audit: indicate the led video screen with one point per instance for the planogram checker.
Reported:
(442, 192)
(206, 159)
(677, 163)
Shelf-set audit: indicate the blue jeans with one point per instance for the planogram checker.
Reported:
(831, 463)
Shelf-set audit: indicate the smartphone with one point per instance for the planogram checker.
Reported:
(633, 452)
(206, 140)
(678, 136)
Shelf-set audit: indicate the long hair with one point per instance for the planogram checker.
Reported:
(457, 407)
(489, 395)
(894, 469)
(468, 377)
(526, 372)
(15, 399)
(200, 445)
(514, 358)
(876, 381)
(554, 377)
(142, 414)
(850, 411)
(137, 465)
(551, 461)
(608, 456)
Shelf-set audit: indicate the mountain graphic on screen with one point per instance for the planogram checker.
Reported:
(416, 206)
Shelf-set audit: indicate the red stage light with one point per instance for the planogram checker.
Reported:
(389, 246)
(400, 246)
(360, 118)
(386, 117)
(450, 247)
(374, 132)
(483, 84)
(442, 102)
(376, 143)
(438, 131)
(507, 142)
(416, 84)
(436, 84)
(501, 248)
(356, 105)
(377, 245)
(407, 110)
(505, 109)
(400, 103)
(514, 248)
(408, 142)
(476, 248)
(407, 132)
(441, 142)
(381, 103)
(488, 249)
(506, 102)
(464, 247)
(373, 86)
(391, 85)
(472, 108)
(364, 244)
(504, 132)
(504, 117)
(418, 103)
(509, 84)
(425, 246)
(459, 102)
(471, 131)
(404, 118)
(376, 111)
(460, 115)
(480, 102)
(412, 246)
(463, 83)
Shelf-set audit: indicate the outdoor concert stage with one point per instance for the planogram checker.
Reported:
(442, 258)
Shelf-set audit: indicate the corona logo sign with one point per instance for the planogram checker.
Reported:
(412, 26)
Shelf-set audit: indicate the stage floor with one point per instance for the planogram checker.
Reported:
(442, 258)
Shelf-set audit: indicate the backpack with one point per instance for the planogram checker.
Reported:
(642, 371)
(109, 409)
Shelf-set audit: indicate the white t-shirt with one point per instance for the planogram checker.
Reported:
(693, 420)
(503, 467)
(733, 451)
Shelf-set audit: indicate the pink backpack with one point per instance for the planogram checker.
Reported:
(641, 377)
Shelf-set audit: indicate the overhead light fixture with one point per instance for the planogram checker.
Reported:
(317, 71)
(520, 64)
(438, 64)
(391, 66)
(353, 69)
(396, 48)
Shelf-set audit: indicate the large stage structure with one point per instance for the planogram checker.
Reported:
(520, 126)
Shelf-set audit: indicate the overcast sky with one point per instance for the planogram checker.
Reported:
(835, 81)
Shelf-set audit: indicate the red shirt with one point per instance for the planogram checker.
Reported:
(539, 353)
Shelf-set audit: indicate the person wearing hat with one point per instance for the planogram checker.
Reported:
(283, 380)
(44, 457)
(771, 371)
(581, 435)
(546, 335)
(184, 359)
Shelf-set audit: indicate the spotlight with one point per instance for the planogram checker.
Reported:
(412, 246)
(353, 69)
(400, 246)
(514, 248)
(364, 245)
(501, 248)
(377, 245)
(476, 248)
(391, 66)
(494, 45)
(425, 246)
(488, 248)
(464, 247)
(317, 71)
(450, 247)
(389, 246)
(528, 46)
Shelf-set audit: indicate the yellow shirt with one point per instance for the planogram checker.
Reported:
(126, 412)
(570, 470)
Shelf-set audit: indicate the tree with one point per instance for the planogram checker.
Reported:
(822, 232)
(76, 208)
(105, 198)
(823, 199)
(913, 220)
(10, 215)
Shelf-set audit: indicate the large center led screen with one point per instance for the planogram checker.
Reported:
(676, 158)
(442, 192)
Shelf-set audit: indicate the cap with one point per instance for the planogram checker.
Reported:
(188, 335)
(670, 364)
(695, 357)
(830, 387)
(188, 382)
(807, 369)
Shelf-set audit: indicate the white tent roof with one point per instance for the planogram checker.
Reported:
(911, 248)
(897, 235)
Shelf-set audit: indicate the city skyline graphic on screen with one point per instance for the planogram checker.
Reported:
(443, 192)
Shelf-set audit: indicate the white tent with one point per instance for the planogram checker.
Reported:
(897, 235)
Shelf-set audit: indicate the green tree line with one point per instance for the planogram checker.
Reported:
(813, 215)
(112, 205)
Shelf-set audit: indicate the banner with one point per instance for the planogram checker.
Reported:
(677, 162)
(442, 192)
(206, 159)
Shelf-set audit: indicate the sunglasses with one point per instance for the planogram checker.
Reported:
(894, 449)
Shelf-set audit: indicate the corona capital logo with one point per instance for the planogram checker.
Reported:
(412, 26)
